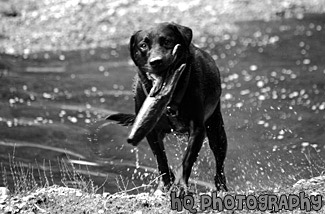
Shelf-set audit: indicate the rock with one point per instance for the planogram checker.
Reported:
(28, 198)
(4, 193)
(106, 194)
(299, 184)
(158, 193)
(78, 193)
(312, 181)
(317, 180)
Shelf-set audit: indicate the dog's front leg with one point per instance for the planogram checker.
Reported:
(155, 140)
(196, 137)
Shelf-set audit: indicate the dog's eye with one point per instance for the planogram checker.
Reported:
(168, 42)
(143, 46)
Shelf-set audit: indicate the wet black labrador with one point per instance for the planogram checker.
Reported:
(195, 105)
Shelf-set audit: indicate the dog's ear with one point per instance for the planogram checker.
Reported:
(132, 46)
(185, 32)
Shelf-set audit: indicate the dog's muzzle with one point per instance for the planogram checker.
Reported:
(160, 80)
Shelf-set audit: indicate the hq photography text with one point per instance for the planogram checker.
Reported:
(263, 202)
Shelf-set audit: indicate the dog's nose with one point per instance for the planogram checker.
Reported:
(156, 61)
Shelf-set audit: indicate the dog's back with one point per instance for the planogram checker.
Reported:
(204, 80)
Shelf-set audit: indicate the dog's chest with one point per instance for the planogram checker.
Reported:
(177, 124)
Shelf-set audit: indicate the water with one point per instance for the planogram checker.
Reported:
(273, 105)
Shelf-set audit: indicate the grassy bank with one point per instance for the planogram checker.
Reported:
(55, 199)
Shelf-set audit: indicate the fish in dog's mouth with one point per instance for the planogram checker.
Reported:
(157, 100)
(154, 106)
(160, 81)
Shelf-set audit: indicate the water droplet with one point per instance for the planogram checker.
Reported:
(244, 92)
(72, 119)
(137, 165)
(12, 101)
(319, 28)
(253, 67)
(261, 97)
(293, 94)
(306, 61)
(92, 52)
(311, 25)
(93, 89)
(260, 84)
(62, 113)
(274, 39)
(9, 123)
(239, 105)
(47, 95)
(228, 96)
(305, 144)
(314, 145)
(101, 68)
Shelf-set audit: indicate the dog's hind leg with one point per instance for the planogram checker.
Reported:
(218, 144)
(155, 140)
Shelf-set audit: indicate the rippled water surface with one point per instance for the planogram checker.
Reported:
(273, 103)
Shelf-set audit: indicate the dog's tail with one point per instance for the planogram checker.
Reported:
(122, 119)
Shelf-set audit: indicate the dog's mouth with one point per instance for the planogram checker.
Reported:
(154, 106)
(160, 81)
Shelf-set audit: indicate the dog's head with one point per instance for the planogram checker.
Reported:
(152, 49)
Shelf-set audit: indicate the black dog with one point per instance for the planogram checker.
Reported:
(195, 104)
